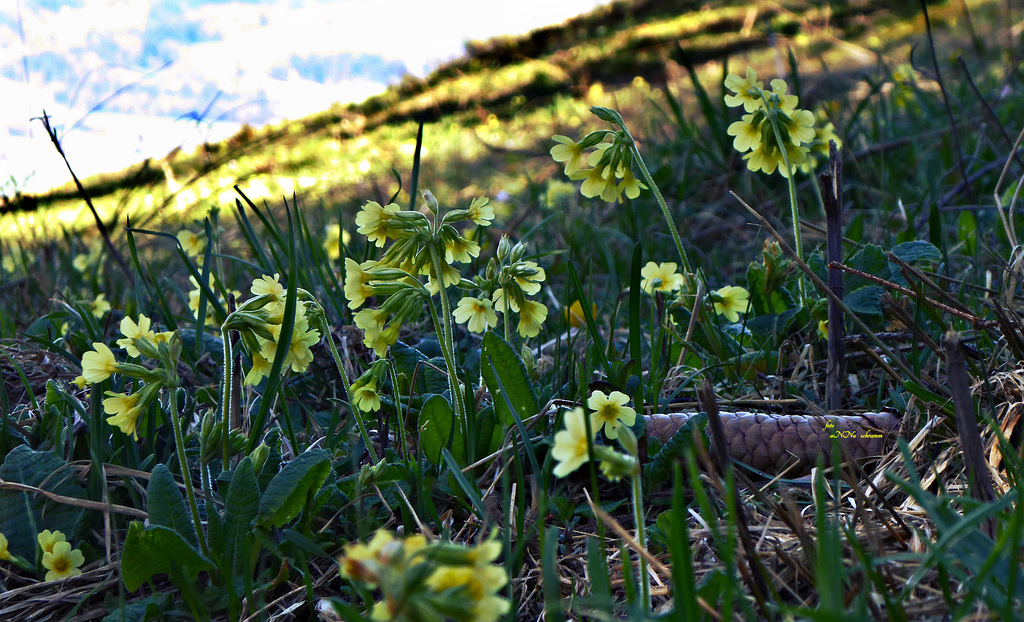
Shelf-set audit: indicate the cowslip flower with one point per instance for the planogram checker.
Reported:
(531, 316)
(746, 91)
(192, 244)
(747, 133)
(598, 182)
(47, 539)
(480, 212)
(5, 555)
(568, 151)
(730, 301)
(478, 312)
(365, 396)
(100, 306)
(269, 286)
(125, 409)
(259, 370)
(570, 449)
(62, 562)
(372, 221)
(610, 411)
(575, 316)
(133, 331)
(357, 282)
(629, 185)
(660, 277)
(98, 364)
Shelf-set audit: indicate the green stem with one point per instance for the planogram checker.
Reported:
(641, 537)
(659, 197)
(794, 209)
(225, 408)
(351, 402)
(179, 443)
(447, 339)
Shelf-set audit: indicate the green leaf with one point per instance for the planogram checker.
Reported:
(916, 253)
(286, 493)
(871, 259)
(866, 301)
(437, 427)
(488, 435)
(765, 302)
(23, 514)
(166, 506)
(500, 361)
(153, 550)
(967, 232)
(241, 504)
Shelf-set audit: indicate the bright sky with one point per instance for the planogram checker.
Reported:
(253, 39)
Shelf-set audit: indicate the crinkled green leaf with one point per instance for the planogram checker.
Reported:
(286, 493)
(150, 551)
(917, 253)
(436, 426)
(166, 505)
(241, 503)
(500, 360)
(23, 514)
(866, 301)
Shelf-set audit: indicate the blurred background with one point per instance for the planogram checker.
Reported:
(124, 80)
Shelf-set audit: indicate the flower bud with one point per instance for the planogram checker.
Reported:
(504, 246)
(429, 200)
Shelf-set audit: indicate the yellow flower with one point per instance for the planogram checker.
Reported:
(47, 539)
(480, 212)
(529, 276)
(259, 370)
(531, 316)
(569, 151)
(747, 132)
(334, 239)
(80, 382)
(62, 562)
(362, 562)
(100, 306)
(357, 282)
(269, 286)
(747, 91)
(460, 249)
(597, 183)
(303, 338)
(660, 277)
(97, 365)
(730, 301)
(478, 312)
(610, 411)
(5, 555)
(372, 221)
(570, 449)
(125, 409)
(479, 584)
(192, 244)
(799, 126)
(767, 157)
(574, 314)
(365, 396)
(823, 329)
(787, 103)
(502, 304)
(383, 340)
(133, 331)
(629, 185)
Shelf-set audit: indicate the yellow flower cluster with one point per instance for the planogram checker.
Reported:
(508, 280)
(259, 320)
(395, 276)
(100, 363)
(59, 559)
(610, 172)
(775, 133)
(461, 583)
